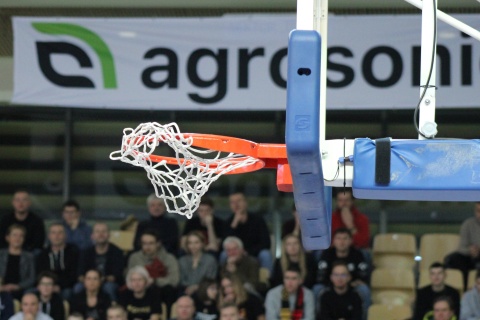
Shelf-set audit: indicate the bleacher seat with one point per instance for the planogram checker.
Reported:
(389, 312)
(393, 286)
(435, 246)
(122, 239)
(264, 276)
(394, 250)
(471, 279)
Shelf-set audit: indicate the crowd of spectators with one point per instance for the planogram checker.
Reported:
(210, 270)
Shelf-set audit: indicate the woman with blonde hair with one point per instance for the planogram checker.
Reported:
(142, 300)
(196, 264)
(232, 291)
(294, 255)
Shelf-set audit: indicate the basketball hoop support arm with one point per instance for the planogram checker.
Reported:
(313, 15)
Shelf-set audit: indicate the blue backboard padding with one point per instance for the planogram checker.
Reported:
(302, 139)
(421, 170)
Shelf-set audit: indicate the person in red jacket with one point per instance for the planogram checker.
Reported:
(346, 215)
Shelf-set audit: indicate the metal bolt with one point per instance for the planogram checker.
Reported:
(427, 102)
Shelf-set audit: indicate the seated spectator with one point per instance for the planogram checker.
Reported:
(470, 305)
(92, 303)
(210, 226)
(290, 300)
(6, 305)
(60, 258)
(292, 226)
(467, 257)
(75, 316)
(249, 228)
(206, 297)
(294, 255)
(343, 250)
(241, 264)
(232, 291)
(166, 227)
(106, 258)
(196, 265)
(33, 224)
(116, 312)
(346, 215)
(161, 265)
(340, 301)
(185, 309)
(30, 309)
(77, 229)
(229, 311)
(142, 300)
(17, 266)
(427, 295)
(51, 303)
(442, 310)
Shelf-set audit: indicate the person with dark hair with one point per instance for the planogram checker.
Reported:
(33, 224)
(61, 258)
(293, 254)
(470, 305)
(105, 257)
(166, 227)
(195, 265)
(346, 215)
(290, 300)
(249, 228)
(92, 302)
(340, 301)
(206, 297)
(206, 222)
(51, 302)
(358, 268)
(17, 266)
(161, 265)
(77, 229)
(442, 310)
(467, 256)
(437, 288)
(229, 311)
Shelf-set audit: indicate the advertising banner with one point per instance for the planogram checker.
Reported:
(234, 62)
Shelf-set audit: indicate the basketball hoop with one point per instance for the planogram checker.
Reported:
(200, 159)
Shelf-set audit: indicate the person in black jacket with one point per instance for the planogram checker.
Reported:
(249, 228)
(105, 257)
(427, 295)
(35, 235)
(340, 301)
(51, 303)
(166, 227)
(60, 258)
(343, 250)
(92, 303)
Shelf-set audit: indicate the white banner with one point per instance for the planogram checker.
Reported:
(232, 62)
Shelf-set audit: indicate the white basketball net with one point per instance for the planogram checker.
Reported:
(180, 186)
